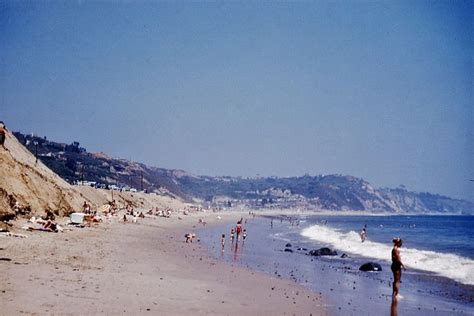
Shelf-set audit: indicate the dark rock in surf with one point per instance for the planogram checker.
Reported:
(288, 250)
(288, 245)
(302, 249)
(323, 252)
(370, 266)
(344, 256)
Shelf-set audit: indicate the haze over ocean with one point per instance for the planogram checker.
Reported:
(381, 91)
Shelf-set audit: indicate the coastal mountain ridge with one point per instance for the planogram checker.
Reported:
(330, 192)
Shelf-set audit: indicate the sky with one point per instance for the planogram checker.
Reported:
(381, 90)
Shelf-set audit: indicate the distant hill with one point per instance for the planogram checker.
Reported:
(330, 192)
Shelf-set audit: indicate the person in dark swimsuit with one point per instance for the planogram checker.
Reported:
(2, 133)
(397, 265)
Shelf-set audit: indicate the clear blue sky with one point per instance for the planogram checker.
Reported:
(379, 90)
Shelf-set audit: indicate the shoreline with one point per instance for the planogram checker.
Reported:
(138, 268)
(344, 287)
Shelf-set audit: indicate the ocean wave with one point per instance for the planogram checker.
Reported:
(444, 264)
(281, 236)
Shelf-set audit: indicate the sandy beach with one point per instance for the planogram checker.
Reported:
(138, 268)
(120, 268)
(236, 158)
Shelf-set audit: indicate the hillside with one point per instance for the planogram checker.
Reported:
(36, 187)
(75, 164)
(31, 183)
(330, 192)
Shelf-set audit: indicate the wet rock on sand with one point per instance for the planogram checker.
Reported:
(370, 266)
(323, 252)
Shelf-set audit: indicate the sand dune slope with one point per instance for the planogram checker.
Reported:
(31, 183)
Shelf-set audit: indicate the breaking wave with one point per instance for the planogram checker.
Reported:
(444, 264)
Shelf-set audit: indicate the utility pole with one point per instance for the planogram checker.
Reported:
(82, 173)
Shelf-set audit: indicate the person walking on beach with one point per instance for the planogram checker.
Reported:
(397, 265)
(238, 230)
(232, 232)
(222, 242)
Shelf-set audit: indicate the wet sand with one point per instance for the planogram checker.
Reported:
(142, 268)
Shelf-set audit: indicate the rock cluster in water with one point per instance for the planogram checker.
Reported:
(323, 252)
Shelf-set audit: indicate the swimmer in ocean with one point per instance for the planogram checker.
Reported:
(363, 233)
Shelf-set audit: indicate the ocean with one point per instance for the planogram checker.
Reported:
(439, 244)
(437, 250)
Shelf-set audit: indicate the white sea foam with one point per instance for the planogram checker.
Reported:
(444, 264)
(281, 236)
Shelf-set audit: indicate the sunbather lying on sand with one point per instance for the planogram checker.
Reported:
(50, 226)
(47, 226)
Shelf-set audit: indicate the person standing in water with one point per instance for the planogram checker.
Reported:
(397, 265)
(363, 233)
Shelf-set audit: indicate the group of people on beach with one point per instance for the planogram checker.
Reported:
(160, 212)
(130, 211)
(47, 223)
(235, 233)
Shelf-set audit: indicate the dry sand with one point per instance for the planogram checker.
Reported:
(142, 268)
